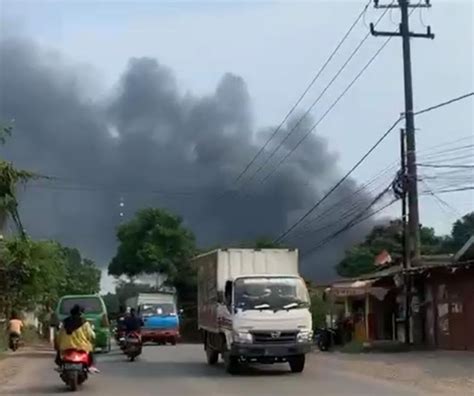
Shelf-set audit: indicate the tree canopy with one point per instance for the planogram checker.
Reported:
(360, 258)
(462, 230)
(154, 241)
(36, 273)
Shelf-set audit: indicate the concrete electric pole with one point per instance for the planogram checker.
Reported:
(413, 237)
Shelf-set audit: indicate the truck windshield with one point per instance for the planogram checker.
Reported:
(163, 309)
(270, 293)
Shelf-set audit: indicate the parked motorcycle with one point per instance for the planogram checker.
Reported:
(133, 346)
(325, 338)
(74, 368)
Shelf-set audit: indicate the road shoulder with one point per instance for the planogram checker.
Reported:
(18, 367)
(423, 371)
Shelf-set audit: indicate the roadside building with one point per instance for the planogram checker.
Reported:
(442, 302)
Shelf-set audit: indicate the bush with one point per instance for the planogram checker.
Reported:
(3, 341)
(30, 335)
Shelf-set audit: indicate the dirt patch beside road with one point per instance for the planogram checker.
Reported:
(433, 372)
(12, 362)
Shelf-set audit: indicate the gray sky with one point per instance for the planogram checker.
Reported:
(277, 47)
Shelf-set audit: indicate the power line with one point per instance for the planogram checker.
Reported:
(446, 166)
(316, 101)
(116, 189)
(355, 213)
(341, 96)
(316, 205)
(443, 104)
(305, 136)
(358, 163)
(347, 227)
(443, 204)
(467, 188)
(318, 74)
(348, 198)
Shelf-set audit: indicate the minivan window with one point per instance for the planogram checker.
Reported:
(90, 305)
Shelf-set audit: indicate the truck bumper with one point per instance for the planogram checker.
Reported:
(263, 351)
(160, 335)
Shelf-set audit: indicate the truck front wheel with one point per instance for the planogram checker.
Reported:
(297, 363)
(231, 363)
(211, 355)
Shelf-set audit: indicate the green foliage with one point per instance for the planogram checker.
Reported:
(153, 242)
(319, 309)
(36, 273)
(112, 303)
(462, 230)
(359, 259)
(83, 276)
(33, 271)
(262, 243)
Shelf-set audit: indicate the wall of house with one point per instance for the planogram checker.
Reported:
(449, 309)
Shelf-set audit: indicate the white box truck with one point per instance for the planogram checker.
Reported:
(253, 307)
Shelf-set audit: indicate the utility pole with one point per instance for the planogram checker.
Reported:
(412, 182)
(405, 241)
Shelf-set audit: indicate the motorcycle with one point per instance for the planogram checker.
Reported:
(120, 338)
(133, 345)
(14, 342)
(325, 338)
(74, 368)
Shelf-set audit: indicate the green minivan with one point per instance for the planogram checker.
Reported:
(95, 312)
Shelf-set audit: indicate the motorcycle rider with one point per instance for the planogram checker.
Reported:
(133, 323)
(76, 333)
(15, 326)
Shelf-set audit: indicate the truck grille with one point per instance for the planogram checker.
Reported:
(274, 337)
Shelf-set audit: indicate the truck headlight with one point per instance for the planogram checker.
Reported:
(243, 337)
(305, 336)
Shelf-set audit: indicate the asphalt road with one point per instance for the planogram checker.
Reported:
(181, 370)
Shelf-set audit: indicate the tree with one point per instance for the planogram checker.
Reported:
(112, 303)
(34, 273)
(265, 243)
(155, 241)
(462, 230)
(359, 259)
(83, 276)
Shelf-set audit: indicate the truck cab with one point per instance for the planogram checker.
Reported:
(271, 321)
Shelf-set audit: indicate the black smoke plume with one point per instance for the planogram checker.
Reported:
(150, 144)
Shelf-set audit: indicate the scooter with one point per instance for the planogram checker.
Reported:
(120, 338)
(74, 368)
(133, 345)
